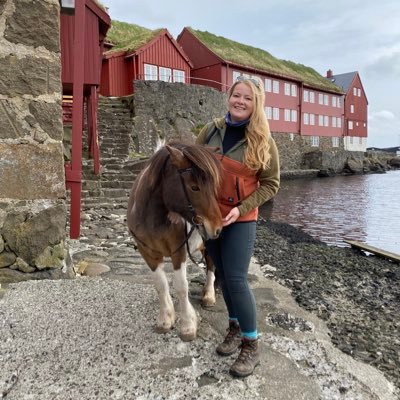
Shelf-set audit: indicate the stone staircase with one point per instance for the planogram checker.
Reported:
(118, 170)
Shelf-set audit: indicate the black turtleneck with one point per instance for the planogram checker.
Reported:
(233, 134)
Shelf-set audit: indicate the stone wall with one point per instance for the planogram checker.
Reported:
(163, 110)
(32, 183)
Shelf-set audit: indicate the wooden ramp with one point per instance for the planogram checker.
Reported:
(374, 250)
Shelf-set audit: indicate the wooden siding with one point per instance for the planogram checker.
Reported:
(360, 115)
(92, 50)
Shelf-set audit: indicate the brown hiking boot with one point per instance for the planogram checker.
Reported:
(248, 358)
(232, 340)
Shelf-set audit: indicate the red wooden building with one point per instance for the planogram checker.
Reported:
(82, 33)
(355, 110)
(298, 100)
(158, 58)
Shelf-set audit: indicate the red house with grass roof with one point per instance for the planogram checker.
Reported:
(137, 53)
(298, 99)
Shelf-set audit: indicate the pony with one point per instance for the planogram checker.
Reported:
(172, 208)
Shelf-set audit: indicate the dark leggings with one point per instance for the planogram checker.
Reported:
(231, 254)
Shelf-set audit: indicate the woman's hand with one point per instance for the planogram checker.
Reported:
(233, 215)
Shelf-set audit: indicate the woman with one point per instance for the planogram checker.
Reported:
(251, 176)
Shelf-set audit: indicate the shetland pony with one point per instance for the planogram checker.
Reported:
(172, 208)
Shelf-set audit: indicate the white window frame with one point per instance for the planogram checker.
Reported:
(287, 115)
(165, 74)
(321, 98)
(359, 92)
(333, 122)
(268, 112)
(294, 115)
(352, 108)
(287, 89)
(320, 120)
(333, 101)
(326, 120)
(339, 122)
(150, 72)
(339, 102)
(275, 87)
(314, 141)
(268, 85)
(306, 119)
(275, 113)
(326, 100)
(312, 119)
(312, 97)
(306, 96)
(294, 90)
(235, 75)
(350, 125)
(354, 91)
(335, 141)
(179, 75)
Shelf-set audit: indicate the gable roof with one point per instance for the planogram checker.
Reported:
(343, 80)
(230, 51)
(129, 37)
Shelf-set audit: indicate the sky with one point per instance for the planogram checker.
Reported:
(341, 35)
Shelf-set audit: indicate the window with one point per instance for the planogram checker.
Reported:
(150, 72)
(339, 122)
(351, 139)
(333, 101)
(305, 118)
(287, 114)
(287, 89)
(268, 85)
(314, 141)
(335, 141)
(165, 74)
(275, 86)
(320, 98)
(326, 120)
(350, 124)
(179, 76)
(268, 112)
(294, 90)
(333, 122)
(320, 120)
(305, 96)
(339, 102)
(326, 100)
(359, 92)
(312, 97)
(365, 125)
(275, 113)
(352, 108)
(235, 75)
(355, 91)
(312, 119)
(360, 140)
(291, 136)
(294, 115)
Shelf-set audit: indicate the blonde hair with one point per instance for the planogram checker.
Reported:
(257, 155)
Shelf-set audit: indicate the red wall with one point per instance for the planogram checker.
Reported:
(360, 115)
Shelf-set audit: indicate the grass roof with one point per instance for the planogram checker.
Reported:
(129, 37)
(253, 57)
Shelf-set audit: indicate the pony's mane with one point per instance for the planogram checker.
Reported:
(205, 166)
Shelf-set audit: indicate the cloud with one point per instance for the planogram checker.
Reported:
(383, 115)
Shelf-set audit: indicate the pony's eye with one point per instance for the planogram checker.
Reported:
(195, 188)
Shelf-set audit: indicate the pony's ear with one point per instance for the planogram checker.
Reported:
(177, 157)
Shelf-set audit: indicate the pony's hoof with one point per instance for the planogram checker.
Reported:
(207, 302)
(162, 329)
(187, 337)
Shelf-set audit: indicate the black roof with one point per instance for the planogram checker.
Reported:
(343, 80)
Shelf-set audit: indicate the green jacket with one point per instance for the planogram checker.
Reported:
(268, 178)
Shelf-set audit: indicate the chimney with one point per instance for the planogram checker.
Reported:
(329, 73)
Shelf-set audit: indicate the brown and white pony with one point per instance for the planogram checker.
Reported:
(172, 208)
